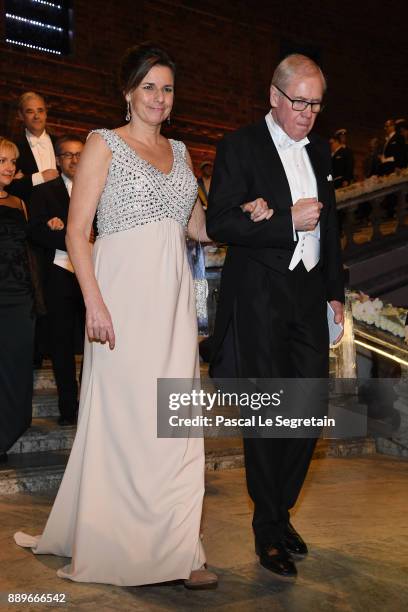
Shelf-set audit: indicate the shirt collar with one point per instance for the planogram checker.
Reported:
(280, 138)
(34, 139)
(67, 181)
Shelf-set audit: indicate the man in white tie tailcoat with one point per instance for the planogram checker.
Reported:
(277, 278)
(36, 163)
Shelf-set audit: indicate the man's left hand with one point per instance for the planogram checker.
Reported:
(338, 308)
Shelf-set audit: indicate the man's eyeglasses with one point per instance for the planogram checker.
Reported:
(301, 105)
(70, 155)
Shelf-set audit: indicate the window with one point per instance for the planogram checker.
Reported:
(42, 25)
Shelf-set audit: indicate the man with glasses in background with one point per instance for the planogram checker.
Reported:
(278, 275)
(65, 307)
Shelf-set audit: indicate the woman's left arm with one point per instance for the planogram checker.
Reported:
(196, 225)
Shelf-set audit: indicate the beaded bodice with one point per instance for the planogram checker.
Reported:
(137, 193)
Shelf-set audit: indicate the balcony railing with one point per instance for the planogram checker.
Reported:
(373, 214)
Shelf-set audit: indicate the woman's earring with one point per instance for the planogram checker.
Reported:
(168, 120)
(128, 113)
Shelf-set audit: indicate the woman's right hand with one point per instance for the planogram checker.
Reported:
(55, 224)
(258, 209)
(99, 325)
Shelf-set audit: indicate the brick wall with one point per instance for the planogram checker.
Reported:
(226, 51)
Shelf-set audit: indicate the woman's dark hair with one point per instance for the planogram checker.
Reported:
(137, 62)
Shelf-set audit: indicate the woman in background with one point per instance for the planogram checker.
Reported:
(16, 310)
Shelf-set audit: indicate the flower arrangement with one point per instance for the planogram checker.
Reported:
(369, 185)
(373, 312)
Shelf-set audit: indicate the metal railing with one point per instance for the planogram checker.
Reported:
(373, 215)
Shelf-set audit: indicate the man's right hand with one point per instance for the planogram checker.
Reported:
(306, 213)
(50, 174)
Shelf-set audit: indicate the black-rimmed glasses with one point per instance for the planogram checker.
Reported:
(301, 105)
(70, 155)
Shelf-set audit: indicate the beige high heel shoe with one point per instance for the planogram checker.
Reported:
(201, 579)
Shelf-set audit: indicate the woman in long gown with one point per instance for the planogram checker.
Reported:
(16, 310)
(129, 507)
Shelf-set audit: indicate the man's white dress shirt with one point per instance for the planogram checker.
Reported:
(391, 158)
(302, 184)
(43, 151)
(61, 258)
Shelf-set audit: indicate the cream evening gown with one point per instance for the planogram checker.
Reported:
(129, 506)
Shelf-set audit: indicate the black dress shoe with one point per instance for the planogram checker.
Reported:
(276, 559)
(3, 458)
(293, 542)
(64, 422)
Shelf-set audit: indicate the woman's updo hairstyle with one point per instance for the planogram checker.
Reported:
(137, 62)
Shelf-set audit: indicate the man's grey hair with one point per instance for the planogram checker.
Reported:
(27, 96)
(296, 65)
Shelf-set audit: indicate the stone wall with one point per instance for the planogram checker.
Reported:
(226, 51)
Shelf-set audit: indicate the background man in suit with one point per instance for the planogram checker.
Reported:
(48, 219)
(393, 154)
(36, 165)
(271, 319)
(204, 182)
(391, 159)
(37, 161)
(401, 128)
(342, 160)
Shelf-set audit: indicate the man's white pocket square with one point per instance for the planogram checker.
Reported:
(330, 178)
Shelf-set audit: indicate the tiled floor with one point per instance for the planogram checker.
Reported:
(352, 513)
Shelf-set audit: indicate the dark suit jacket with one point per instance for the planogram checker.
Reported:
(343, 166)
(247, 167)
(395, 148)
(23, 187)
(49, 200)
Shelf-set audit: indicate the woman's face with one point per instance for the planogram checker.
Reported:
(7, 166)
(152, 100)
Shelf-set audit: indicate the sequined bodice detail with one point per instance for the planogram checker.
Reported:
(137, 193)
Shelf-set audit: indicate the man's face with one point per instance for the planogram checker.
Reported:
(389, 127)
(333, 144)
(207, 170)
(68, 157)
(297, 124)
(34, 115)
(343, 139)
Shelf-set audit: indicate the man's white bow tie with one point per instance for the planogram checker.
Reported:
(36, 141)
(286, 142)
